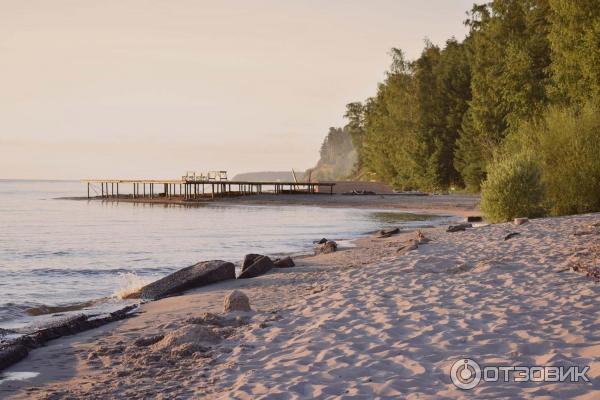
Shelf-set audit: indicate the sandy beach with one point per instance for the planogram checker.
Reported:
(364, 322)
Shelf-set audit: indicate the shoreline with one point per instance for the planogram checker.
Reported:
(315, 332)
(49, 329)
(83, 306)
(456, 204)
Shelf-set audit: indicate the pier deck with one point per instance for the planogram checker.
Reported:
(191, 189)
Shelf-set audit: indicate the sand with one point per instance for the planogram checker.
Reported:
(364, 322)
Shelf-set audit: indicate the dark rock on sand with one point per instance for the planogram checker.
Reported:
(201, 274)
(320, 241)
(285, 262)
(249, 260)
(511, 235)
(261, 265)
(474, 218)
(386, 233)
(458, 228)
(324, 248)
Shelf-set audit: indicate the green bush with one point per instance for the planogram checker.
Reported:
(513, 188)
(566, 141)
(569, 146)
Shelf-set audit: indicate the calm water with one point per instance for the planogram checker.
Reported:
(64, 252)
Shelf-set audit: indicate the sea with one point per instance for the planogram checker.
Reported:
(61, 256)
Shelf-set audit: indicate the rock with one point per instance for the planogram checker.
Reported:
(409, 246)
(583, 233)
(386, 233)
(421, 238)
(249, 260)
(285, 262)
(261, 265)
(201, 274)
(474, 218)
(148, 340)
(458, 228)
(511, 235)
(322, 241)
(324, 248)
(236, 301)
(520, 221)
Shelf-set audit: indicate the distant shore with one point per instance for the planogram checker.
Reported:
(462, 204)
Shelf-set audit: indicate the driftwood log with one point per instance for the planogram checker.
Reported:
(17, 349)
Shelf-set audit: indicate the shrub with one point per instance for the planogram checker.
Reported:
(569, 146)
(513, 188)
(566, 141)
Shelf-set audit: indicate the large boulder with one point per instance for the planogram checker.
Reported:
(285, 262)
(236, 301)
(324, 248)
(249, 260)
(261, 265)
(201, 274)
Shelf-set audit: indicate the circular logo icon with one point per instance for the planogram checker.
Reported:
(465, 374)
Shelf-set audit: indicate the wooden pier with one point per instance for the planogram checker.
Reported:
(192, 189)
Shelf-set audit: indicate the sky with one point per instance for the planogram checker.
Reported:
(151, 89)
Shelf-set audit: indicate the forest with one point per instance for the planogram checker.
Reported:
(512, 111)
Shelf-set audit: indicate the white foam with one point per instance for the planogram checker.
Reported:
(130, 282)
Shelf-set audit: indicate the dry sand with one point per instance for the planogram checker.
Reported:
(365, 322)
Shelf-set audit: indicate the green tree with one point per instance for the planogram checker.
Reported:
(574, 38)
(390, 123)
(509, 55)
(355, 113)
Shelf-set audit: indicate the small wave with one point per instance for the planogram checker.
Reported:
(9, 311)
(130, 282)
(46, 309)
(45, 254)
(86, 271)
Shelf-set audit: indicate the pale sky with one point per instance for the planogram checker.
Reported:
(132, 88)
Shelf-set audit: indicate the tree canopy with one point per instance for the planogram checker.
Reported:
(437, 122)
